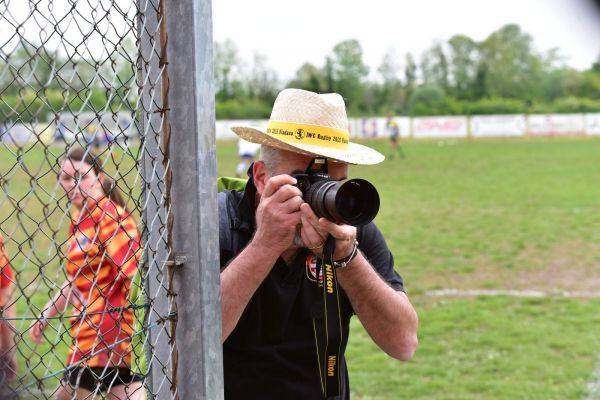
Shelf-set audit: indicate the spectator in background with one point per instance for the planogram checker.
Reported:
(8, 360)
(247, 152)
(102, 255)
(394, 135)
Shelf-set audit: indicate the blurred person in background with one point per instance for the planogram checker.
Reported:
(102, 254)
(393, 130)
(247, 152)
(8, 359)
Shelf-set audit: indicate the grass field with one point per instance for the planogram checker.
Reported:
(518, 214)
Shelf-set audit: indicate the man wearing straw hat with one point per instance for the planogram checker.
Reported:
(288, 291)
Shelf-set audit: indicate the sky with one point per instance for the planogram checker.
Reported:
(290, 33)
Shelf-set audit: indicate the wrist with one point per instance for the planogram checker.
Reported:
(259, 251)
(344, 261)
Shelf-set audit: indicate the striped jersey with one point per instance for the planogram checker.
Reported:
(102, 256)
(6, 275)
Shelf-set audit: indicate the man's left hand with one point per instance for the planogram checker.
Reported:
(315, 230)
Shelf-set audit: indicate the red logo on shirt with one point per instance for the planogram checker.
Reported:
(311, 268)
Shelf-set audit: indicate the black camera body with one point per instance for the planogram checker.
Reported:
(353, 202)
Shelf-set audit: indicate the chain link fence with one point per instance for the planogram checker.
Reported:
(81, 278)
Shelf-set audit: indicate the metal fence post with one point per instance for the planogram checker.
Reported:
(192, 161)
(195, 235)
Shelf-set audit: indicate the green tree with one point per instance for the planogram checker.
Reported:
(464, 57)
(512, 68)
(309, 77)
(262, 82)
(427, 100)
(410, 74)
(226, 61)
(434, 66)
(349, 72)
(390, 95)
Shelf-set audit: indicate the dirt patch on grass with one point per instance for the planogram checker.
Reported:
(569, 267)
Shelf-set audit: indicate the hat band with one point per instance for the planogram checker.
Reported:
(309, 134)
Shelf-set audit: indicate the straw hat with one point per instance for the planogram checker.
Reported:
(313, 124)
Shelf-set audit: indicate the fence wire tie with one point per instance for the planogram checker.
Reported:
(177, 261)
(172, 316)
(162, 110)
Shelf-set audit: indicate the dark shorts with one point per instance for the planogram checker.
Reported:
(90, 378)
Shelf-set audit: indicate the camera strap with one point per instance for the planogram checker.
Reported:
(328, 328)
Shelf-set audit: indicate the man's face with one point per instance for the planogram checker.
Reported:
(294, 163)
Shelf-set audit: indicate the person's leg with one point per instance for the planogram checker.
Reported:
(400, 150)
(79, 383)
(131, 391)
(67, 392)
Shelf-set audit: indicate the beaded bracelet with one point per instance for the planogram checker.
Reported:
(346, 260)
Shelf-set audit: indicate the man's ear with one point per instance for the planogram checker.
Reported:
(260, 175)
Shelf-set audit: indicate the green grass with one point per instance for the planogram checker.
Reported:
(502, 214)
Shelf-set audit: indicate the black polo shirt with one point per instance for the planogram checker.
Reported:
(271, 353)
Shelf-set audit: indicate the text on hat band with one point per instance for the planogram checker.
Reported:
(309, 134)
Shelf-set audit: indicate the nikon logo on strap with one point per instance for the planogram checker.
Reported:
(331, 361)
(329, 277)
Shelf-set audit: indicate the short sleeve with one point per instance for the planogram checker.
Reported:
(374, 248)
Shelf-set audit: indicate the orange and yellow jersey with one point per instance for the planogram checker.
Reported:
(102, 257)
(6, 275)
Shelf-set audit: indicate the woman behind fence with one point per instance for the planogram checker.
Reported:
(102, 254)
(8, 360)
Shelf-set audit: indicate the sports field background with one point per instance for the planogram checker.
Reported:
(488, 214)
(514, 214)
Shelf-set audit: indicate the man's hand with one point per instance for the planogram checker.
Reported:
(315, 230)
(278, 214)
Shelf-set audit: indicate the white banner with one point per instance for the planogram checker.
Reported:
(223, 127)
(452, 126)
(592, 124)
(497, 125)
(556, 124)
(376, 127)
(440, 127)
(17, 133)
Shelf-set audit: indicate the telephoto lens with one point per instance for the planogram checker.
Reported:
(354, 202)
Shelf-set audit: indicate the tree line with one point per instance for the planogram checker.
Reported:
(502, 74)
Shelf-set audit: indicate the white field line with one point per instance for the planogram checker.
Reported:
(512, 293)
(593, 386)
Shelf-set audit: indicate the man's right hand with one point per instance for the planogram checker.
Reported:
(278, 214)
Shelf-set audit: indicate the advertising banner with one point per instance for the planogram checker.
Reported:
(497, 125)
(376, 127)
(16, 133)
(556, 124)
(439, 127)
(592, 124)
(223, 127)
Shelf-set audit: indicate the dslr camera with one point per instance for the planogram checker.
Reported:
(353, 202)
